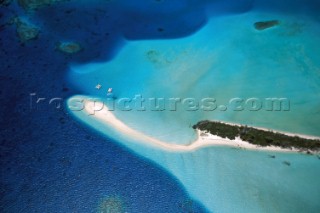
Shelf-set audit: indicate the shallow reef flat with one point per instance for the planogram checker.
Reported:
(223, 60)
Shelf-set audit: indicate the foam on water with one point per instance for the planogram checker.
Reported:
(228, 58)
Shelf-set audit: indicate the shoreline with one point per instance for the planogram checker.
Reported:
(238, 143)
(203, 139)
(311, 137)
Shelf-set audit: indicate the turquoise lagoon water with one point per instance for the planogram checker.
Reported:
(226, 59)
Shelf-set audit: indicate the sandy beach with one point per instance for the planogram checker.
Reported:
(105, 116)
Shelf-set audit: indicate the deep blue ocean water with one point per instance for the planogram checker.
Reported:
(49, 161)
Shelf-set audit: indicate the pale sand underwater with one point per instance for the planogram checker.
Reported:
(226, 59)
(222, 178)
(100, 112)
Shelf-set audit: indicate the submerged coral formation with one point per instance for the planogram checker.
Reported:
(112, 205)
(69, 47)
(263, 25)
(35, 4)
(25, 30)
(5, 2)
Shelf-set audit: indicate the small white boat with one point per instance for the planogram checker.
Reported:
(110, 90)
(98, 86)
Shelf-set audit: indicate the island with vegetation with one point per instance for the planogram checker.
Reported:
(259, 137)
